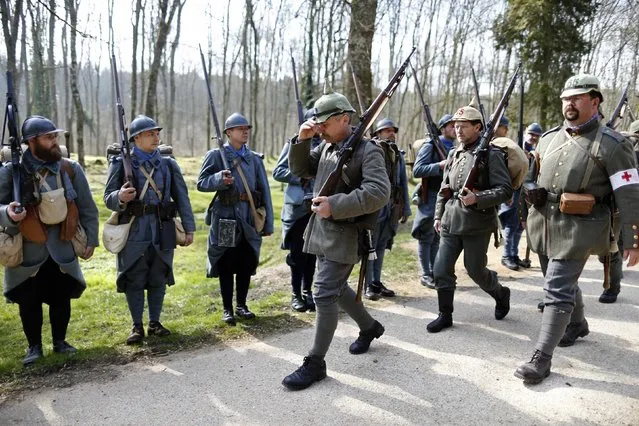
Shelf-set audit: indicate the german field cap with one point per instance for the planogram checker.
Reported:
(331, 104)
(580, 84)
(467, 113)
(634, 127)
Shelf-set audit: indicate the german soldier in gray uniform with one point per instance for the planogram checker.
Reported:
(50, 271)
(332, 233)
(583, 167)
(296, 213)
(396, 211)
(146, 261)
(467, 219)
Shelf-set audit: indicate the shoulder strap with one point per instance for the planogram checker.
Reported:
(238, 167)
(592, 156)
(149, 180)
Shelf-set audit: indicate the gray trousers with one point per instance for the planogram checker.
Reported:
(475, 261)
(331, 292)
(382, 234)
(563, 299)
(148, 272)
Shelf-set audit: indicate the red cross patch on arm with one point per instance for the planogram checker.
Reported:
(623, 178)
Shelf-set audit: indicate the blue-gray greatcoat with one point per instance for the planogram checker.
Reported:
(60, 251)
(145, 229)
(211, 180)
(294, 207)
(427, 166)
(401, 184)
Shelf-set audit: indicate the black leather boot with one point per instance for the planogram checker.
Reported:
(365, 338)
(373, 292)
(136, 336)
(445, 318)
(310, 302)
(297, 303)
(573, 331)
(312, 370)
(536, 370)
(502, 297)
(385, 291)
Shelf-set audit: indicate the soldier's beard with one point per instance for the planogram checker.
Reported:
(571, 114)
(52, 155)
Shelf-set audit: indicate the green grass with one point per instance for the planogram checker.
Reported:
(100, 320)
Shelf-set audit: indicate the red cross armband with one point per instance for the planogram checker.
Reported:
(623, 178)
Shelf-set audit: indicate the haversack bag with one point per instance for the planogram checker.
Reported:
(114, 234)
(180, 234)
(11, 254)
(53, 207)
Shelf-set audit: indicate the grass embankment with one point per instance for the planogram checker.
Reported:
(100, 320)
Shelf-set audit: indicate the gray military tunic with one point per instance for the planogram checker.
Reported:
(335, 238)
(61, 252)
(556, 235)
(469, 228)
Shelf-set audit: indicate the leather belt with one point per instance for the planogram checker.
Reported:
(555, 198)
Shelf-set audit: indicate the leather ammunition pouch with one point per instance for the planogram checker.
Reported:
(580, 204)
(535, 194)
(232, 197)
(137, 208)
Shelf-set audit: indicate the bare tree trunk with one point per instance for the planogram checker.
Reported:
(51, 63)
(41, 100)
(11, 14)
(24, 61)
(72, 6)
(164, 26)
(68, 113)
(134, 59)
(174, 46)
(360, 43)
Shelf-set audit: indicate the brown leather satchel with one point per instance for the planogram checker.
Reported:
(32, 228)
(571, 203)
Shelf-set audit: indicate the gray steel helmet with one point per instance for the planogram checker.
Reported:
(535, 129)
(385, 123)
(37, 125)
(329, 105)
(446, 118)
(236, 120)
(580, 84)
(140, 124)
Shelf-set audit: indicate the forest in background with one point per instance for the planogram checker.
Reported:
(59, 54)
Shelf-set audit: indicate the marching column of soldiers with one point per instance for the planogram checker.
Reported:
(570, 212)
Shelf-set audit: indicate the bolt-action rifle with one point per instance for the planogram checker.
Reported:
(298, 101)
(432, 133)
(11, 123)
(481, 106)
(365, 121)
(620, 109)
(125, 151)
(218, 133)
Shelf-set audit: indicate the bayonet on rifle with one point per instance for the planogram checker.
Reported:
(218, 133)
(360, 101)
(11, 123)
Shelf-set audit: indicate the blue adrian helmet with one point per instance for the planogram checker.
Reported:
(534, 129)
(309, 113)
(503, 121)
(236, 120)
(446, 118)
(37, 125)
(140, 124)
